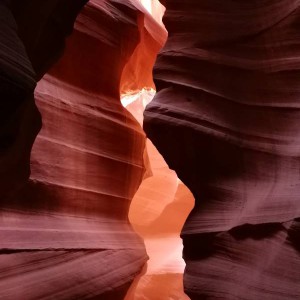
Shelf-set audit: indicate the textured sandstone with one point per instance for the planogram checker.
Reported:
(65, 234)
(225, 118)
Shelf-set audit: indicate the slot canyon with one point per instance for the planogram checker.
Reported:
(149, 150)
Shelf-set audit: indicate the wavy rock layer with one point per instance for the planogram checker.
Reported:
(65, 234)
(226, 119)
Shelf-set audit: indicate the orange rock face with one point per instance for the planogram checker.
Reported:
(89, 200)
(158, 212)
(66, 232)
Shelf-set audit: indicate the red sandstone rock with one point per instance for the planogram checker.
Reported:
(225, 118)
(65, 234)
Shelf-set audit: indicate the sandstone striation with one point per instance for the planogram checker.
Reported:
(64, 233)
(225, 118)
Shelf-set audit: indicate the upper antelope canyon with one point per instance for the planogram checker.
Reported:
(150, 150)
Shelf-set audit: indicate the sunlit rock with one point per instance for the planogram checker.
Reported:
(64, 234)
(158, 212)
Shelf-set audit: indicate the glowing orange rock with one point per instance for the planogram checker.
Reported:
(67, 231)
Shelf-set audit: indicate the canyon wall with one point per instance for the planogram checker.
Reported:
(226, 119)
(64, 232)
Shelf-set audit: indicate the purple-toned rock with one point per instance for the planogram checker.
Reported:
(226, 119)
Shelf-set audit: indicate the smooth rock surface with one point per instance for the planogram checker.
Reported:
(64, 234)
(226, 119)
(157, 213)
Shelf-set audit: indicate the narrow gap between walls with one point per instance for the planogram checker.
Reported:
(157, 213)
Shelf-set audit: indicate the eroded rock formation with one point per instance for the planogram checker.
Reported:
(225, 118)
(157, 212)
(64, 234)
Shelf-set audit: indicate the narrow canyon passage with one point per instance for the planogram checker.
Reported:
(161, 204)
(157, 212)
(90, 208)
